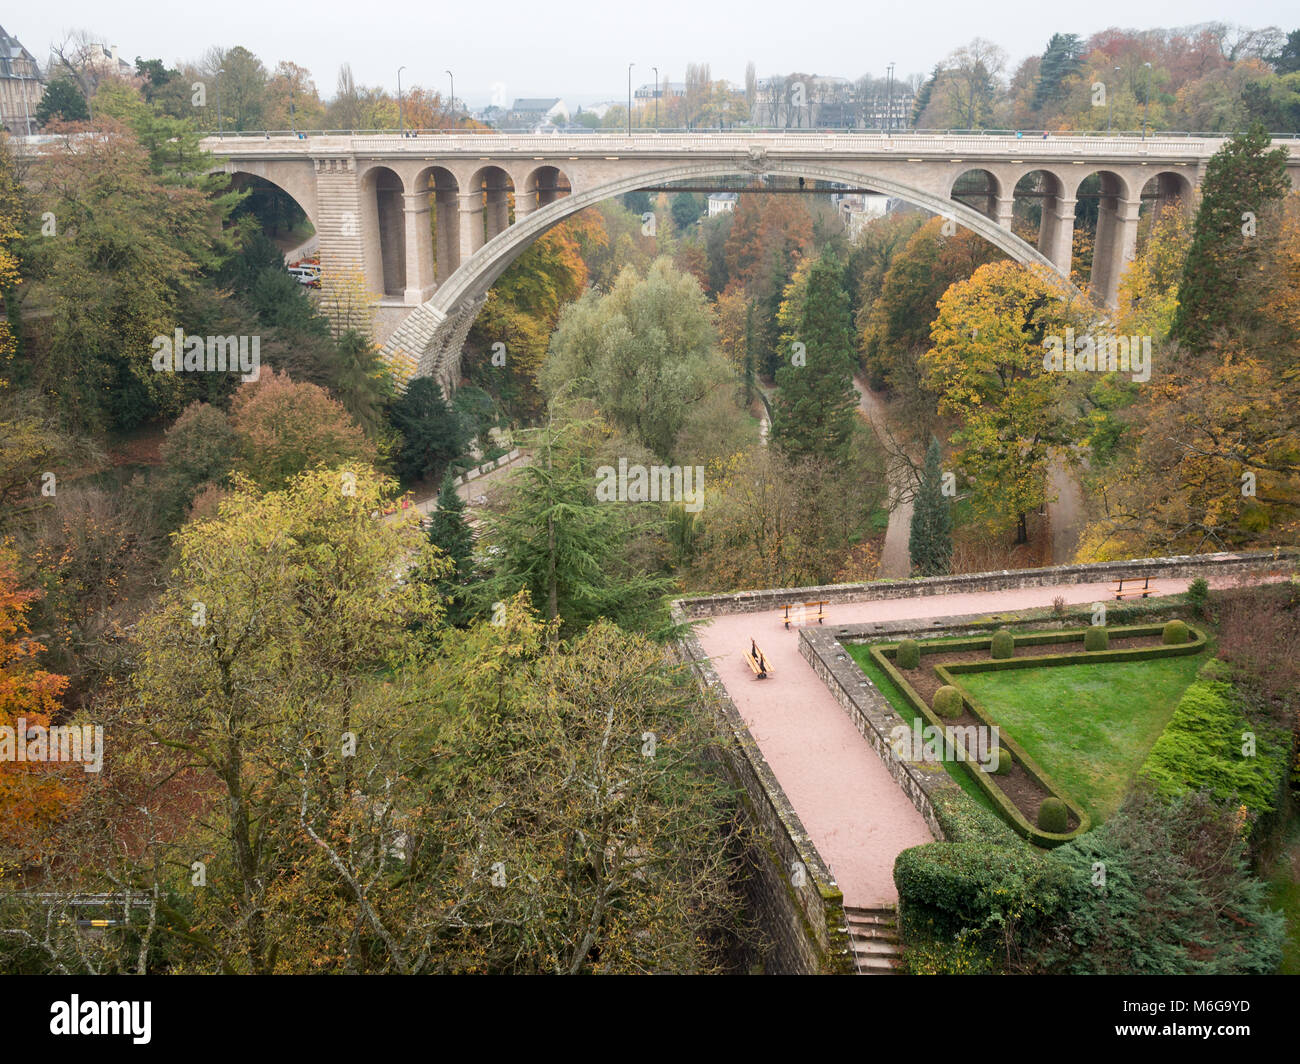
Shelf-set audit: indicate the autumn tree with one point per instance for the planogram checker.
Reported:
(131, 247)
(1148, 288)
(32, 794)
(644, 352)
(775, 522)
(986, 366)
(283, 428)
(251, 668)
(895, 326)
(1209, 460)
(509, 338)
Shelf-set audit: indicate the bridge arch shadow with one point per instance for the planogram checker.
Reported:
(429, 340)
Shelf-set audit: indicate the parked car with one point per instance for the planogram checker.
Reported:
(306, 274)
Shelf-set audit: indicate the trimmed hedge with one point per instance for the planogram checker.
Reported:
(1175, 632)
(908, 654)
(947, 887)
(1096, 638)
(947, 702)
(1003, 644)
(962, 819)
(1053, 816)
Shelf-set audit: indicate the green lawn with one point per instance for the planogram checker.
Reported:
(904, 709)
(1284, 894)
(1090, 727)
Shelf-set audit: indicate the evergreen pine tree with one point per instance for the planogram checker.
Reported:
(813, 413)
(1061, 59)
(449, 532)
(930, 540)
(924, 93)
(567, 548)
(751, 342)
(1217, 293)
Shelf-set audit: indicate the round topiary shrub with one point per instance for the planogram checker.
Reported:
(999, 761)
(1175, 632)
(1053, 816)
(1096, 638)
(908, 655)
(947, 702)
(1004, 644)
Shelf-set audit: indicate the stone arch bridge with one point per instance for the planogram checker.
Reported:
(430, 221)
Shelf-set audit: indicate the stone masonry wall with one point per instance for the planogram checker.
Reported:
(804, 922)
(1207, 565)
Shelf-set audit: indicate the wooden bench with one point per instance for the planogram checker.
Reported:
(1144, 590)
(757, 660)
(805, 606)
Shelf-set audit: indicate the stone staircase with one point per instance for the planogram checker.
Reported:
(873, 937)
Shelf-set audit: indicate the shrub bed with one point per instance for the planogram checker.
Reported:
(1203, 748)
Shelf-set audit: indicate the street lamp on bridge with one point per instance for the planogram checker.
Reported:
(1146, 104)
(220, 71)
(452, 103)
(889, 99)
(629, 98)
(1110, 106)
(401, 127)
(656, 70)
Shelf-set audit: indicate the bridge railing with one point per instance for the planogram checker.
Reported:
(736, 131)
(797, 141)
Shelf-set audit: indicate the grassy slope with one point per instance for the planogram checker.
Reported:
(1089, 726)
(1284, 894)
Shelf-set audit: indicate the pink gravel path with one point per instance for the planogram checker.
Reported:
(857, 816)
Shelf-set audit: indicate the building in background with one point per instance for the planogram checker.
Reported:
(798, 101)
(721, 202)
(528, 113)
(668, 90)
(21, 86)
(857, 209)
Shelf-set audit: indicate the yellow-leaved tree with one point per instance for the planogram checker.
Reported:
(986, 367)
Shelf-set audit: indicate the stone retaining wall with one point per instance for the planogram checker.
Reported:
(802, 920)
(1192, 565)
(872, 713)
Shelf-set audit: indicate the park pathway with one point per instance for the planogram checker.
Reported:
(895, 559)
(1064, 512)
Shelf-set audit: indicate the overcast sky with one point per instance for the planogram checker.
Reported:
(580, 51)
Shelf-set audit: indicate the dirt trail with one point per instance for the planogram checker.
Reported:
(894, 557)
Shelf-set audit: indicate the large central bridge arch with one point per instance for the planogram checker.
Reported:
(429, 341)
